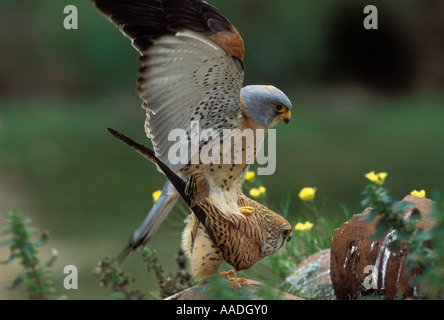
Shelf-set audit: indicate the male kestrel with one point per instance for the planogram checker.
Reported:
(192, 74)
(211, 236)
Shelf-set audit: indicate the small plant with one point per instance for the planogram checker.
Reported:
(168, 285)
(36, 277)
(314, 215)
(113, 277)
(425, 245)
(312, 232)
(119, 281)
(388, 209)
(427, 249)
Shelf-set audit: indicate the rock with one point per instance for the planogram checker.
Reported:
(360, 265)
(251, 289)
(311, 278)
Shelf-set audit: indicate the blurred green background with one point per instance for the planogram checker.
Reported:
(363, 100)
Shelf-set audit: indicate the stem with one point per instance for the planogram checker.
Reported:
(38, 282)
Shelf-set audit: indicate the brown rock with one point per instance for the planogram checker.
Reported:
(360, 265)
(248, 290)
(311, 278)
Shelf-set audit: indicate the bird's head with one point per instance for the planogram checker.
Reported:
(266, 105)
(276, 231)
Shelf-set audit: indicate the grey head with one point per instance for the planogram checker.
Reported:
(266, 105)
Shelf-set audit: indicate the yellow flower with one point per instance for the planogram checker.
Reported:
(156, 195)
(307, 194)
(420, 193)
(250, 176)
(377, 178)
(303, 226)
(255, 193)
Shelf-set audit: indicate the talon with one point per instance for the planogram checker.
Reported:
(233, 280)
(236, 283)
(246, 210)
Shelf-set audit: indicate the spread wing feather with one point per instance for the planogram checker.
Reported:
(192, 65)
(187, 77)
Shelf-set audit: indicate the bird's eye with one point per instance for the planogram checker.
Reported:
(279, 108)
(287, 235)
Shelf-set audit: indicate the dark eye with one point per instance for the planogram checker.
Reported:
(287, 235)
(279, 108)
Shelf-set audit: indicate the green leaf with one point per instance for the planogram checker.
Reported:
(284, 204)
(7, 229)
(41, 240)
(371, 216)
(17, 281)
(402, 206)
(382, 228)
(402, 235)
(6, 261)
(31, 230)
(6, 242)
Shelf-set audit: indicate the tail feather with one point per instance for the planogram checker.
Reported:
(153, 220)
(177, 182)
(164, 205)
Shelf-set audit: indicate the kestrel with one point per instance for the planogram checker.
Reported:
(191, 75)
(210, 236)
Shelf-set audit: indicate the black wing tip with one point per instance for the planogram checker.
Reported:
(113, 132)
(153, 18)
(177, 182)
(140, 148)
(131, 247)
(118, 135)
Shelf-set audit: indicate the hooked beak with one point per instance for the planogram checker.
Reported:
(285, 117)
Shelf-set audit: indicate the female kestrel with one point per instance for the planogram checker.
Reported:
(191, 78)
(211, 236)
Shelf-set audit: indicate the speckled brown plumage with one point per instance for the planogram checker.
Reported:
(210, 236)
(239, 240)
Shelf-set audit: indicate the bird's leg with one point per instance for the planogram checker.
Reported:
(228, 274)
(196, 188)
(246, 210)
(236, 283)
(232, 278)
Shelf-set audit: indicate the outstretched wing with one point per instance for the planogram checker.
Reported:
(192, 66)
